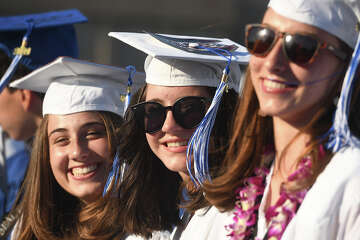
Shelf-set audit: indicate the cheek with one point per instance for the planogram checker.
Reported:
(255, 64)
(58, 162)
(152, 140)
(325, 68)
(154, 144)
(254, 69)
(102, 149)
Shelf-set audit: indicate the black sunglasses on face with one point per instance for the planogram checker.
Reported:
(298, 48)
(187, 111)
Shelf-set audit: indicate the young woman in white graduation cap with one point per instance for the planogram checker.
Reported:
(73, 152)
(292, 170)
(179, 87)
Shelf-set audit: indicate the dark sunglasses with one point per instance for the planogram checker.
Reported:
(298, 48)
(187, 111)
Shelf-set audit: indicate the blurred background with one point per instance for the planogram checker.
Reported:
(211, 18)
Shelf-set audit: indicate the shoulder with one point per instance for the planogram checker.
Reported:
(343, 173)
(339, 178)
(333, 202)
(208, 223)
(352, 154)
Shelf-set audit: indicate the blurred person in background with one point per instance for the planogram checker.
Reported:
(26, 43)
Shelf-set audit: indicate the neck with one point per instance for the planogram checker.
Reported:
(289, 145)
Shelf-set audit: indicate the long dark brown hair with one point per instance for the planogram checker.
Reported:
(150, 193)
(252, 132)
(47, 211)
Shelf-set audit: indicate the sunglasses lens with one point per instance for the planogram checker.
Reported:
(150, 115)
(300, 49)
(259, 39)
(189, 111)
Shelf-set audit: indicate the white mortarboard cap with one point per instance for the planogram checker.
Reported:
(73, 85)
(170, 65)
(338, 17)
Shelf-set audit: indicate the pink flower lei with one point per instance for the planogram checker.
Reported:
(248, 198)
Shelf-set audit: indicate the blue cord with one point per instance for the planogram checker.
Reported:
(340, 134)
(114, 172)
(13, 66)
(115, 169)
(132, 70)
(199, 141)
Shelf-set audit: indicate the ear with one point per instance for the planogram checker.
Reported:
(27, 97)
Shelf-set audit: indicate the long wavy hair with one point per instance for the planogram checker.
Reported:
(47, 211)
(150, 194)
(252, 132)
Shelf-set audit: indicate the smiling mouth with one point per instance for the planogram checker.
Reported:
(272, 84)
(82, 171)
(177, 144)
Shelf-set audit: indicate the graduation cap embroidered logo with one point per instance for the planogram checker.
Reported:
(195, 45)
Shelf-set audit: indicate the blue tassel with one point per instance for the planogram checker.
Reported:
(9, 72)
(18, 56)
(114, 172)
(199, 142)
(340, 135)
(132, 70)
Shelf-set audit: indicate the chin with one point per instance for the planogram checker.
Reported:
(176, 167)
(271, 111)
(89, 194)
(90, 197)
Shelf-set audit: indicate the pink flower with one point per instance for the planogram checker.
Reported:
(279, 215)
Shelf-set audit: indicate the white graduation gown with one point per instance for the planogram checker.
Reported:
(158, 235)
(330, 210)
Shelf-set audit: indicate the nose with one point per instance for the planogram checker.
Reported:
(170, 124)
(276, 61)
(79, 150)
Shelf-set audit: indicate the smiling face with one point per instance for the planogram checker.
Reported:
(281, 86)
(79, 153)
(170, 143)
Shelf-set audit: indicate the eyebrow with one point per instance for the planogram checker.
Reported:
(158, 100)
(89, 124)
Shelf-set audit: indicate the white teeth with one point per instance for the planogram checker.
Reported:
(274, 85)
(177, 144)
(80, 171)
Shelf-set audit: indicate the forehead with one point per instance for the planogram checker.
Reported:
(284, 24)
(172, 93)
(72, 121)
